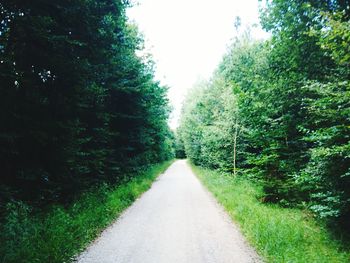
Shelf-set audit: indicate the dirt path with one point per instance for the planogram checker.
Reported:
(178, 221)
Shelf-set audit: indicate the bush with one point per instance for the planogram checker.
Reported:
(58, 234)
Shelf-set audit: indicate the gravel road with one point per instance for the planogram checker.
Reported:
(177, 220)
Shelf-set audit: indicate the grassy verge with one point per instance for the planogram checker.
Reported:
(58, 235)
(278, 234)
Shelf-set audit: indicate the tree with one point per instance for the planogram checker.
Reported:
(78, 105)
(291, 106)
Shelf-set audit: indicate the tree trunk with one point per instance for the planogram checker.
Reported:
(235, 147)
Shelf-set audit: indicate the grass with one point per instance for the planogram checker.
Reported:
(61, 233)
(278, 234)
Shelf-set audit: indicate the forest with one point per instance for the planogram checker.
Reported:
(84, 122)
(80, 109)
(277, 111)
(78, 105)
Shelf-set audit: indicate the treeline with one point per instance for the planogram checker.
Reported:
(78, 103)
(278, 111)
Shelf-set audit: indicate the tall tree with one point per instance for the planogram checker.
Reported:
(78, 105)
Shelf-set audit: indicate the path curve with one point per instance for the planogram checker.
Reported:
(178, 221)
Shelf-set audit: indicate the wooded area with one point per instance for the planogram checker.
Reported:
(283, 105)
(83, 118)
(78, 103)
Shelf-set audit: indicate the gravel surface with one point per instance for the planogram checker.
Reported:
(177, 220)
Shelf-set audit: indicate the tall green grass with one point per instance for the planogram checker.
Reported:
(59, 234)
(278, 234)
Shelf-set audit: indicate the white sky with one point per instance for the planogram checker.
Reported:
(188, 38)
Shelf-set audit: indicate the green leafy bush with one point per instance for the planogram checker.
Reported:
(278, 234)
(60, 233)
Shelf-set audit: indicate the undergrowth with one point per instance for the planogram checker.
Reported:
(59, 234)
(279, 234)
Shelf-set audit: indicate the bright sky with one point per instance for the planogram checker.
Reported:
(188, 38)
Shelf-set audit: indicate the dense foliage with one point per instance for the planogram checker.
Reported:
(278, 234)
(78, 105)
(279, 110)
(179, 147)
(60, 234)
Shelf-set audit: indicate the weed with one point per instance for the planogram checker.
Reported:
(61, 233)
(279, 234)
